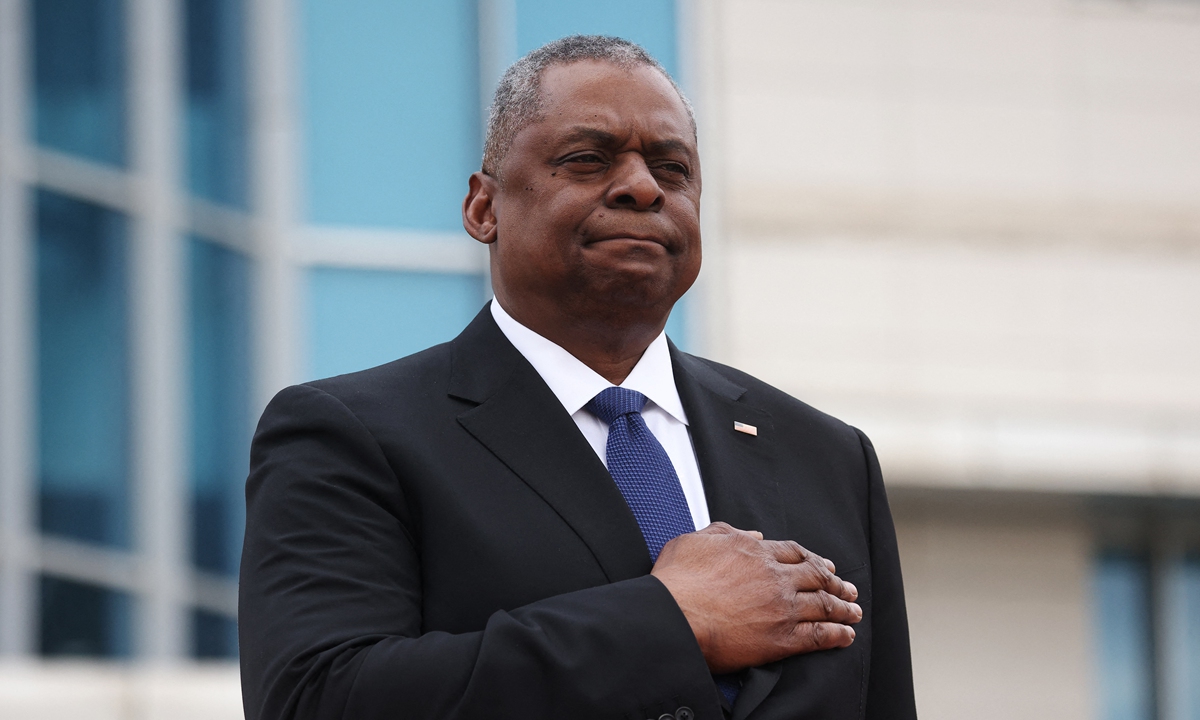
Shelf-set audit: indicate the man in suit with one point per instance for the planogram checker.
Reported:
(505, 526)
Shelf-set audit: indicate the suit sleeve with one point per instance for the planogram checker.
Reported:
(330, 608)
(890, 681)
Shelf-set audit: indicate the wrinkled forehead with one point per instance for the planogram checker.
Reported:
(611, 95)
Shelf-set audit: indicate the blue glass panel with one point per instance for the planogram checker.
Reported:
(79, 77)
(221, 422)
(677, 324)
(83, 620)
(83, 368)
(216, 100)
(214, 637)
(1183, 639)
(649, 23)
(391, 111)
(1123, 632)
(362, 318)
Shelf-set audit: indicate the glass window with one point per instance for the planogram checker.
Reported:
(362, 318)
(650, 23)
(220, 403)
(1182, 637)
(677, 324)
(216, 100)
(1124, 631)
(79, 77)
(83, 370)
(214, 636)
(391, 105)
(83, 620)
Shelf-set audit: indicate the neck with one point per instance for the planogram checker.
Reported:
(611, 345)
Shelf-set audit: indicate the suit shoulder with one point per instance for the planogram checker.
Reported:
(788, 412)
(423, 374)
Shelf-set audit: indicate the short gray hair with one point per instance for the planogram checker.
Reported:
(518, 100)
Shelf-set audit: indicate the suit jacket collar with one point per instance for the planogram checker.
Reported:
(520, 420)
(738, 469)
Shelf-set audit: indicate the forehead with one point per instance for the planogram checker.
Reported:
(613, 98)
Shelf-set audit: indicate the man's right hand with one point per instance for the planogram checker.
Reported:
(752, 601)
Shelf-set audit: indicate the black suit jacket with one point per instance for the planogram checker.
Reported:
(434, 538)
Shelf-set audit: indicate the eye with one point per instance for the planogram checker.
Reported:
(674, 168)
(586, 158)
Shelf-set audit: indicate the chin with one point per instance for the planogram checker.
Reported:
(635, 292)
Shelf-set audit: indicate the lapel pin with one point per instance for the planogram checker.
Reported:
(744, 428)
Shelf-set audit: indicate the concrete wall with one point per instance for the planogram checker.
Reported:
(1034, 368)
(972, 228)
(997, 600)
(99, 691)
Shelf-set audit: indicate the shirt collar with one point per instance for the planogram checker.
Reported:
(574, 384)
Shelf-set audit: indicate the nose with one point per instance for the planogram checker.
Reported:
(634, 187)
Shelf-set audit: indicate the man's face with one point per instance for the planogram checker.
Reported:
(598, 209)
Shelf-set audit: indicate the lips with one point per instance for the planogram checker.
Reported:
(631, 237)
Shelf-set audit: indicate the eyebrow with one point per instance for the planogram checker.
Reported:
(603, 137)
(680, 146)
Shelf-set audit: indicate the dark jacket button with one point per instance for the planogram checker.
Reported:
(666, 716)
(684, 713)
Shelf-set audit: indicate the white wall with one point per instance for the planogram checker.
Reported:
(100, 691)
(1032, 99)
(997, 614)
(973, 229)
(1039, 368)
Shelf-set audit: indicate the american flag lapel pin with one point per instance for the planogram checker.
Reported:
(745, 428)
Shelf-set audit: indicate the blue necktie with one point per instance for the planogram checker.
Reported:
(646, 478)
(641, 469)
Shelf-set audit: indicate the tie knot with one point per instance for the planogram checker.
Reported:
(614, 402)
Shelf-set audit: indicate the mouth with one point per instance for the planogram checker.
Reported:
(631, 239)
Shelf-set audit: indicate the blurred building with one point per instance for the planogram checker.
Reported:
(972, 229)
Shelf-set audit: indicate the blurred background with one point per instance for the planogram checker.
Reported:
(970, 228)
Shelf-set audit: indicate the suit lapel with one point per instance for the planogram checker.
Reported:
(737, 469)
(520, 420)
(738, 472)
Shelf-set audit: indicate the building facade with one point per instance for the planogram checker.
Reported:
(971, 229)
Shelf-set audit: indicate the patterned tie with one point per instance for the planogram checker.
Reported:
(645, 476)
(641, 469)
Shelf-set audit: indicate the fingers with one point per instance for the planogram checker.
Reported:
(786, 551)
(809, 570)
(831, 584)
(721, 528)
(820, 606)
(813, 636)
(849, 592)
(812, 572)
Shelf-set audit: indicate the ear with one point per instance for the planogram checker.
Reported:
(478, 212)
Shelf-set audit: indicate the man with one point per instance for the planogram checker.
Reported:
(503, 526)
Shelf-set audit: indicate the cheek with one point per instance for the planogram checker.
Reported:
(692, 268)
(545, 210)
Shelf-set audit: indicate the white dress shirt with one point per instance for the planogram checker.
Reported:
(575, 384)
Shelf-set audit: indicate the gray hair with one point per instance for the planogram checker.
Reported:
(518, 101)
